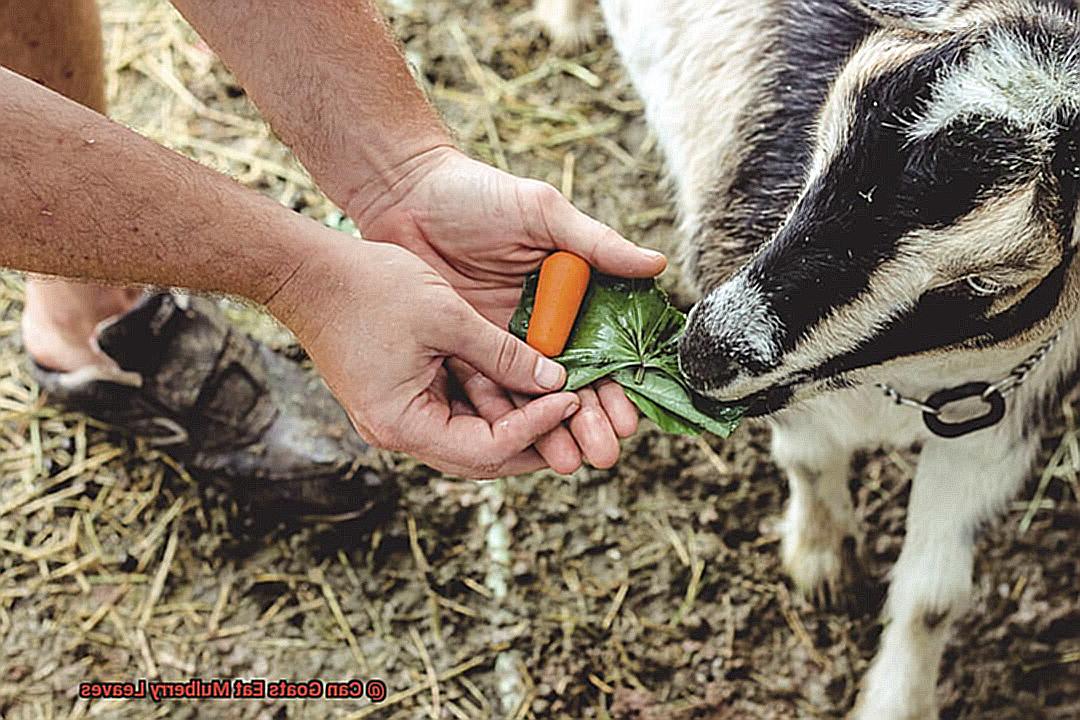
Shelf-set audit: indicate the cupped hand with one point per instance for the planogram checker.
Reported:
(484, 230)
(381, 325)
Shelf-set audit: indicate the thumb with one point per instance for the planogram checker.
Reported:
(501, 357)
(604, 249)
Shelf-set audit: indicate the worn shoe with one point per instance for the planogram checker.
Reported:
(226, 406)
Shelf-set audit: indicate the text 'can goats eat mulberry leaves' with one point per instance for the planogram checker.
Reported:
(628, 331)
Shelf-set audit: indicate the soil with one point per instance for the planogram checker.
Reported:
(651, 591)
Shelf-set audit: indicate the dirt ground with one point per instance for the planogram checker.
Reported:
(651, 591)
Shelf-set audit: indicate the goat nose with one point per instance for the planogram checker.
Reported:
(704, 361)
(732, 335)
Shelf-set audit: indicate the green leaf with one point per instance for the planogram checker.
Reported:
(519, 322)
(578, 376)
(672, 395)
(666, 421)
(625, 320)
(629, 331)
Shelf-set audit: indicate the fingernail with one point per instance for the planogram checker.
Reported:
(654, 256)
(549, 375)
(571, 410)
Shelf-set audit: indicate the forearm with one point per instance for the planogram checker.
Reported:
(330, 79)
(83, 197)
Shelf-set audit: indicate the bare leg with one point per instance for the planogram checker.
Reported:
(58, 43)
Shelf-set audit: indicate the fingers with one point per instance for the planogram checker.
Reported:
(498, 355)
(527, 462)
(521, 428)
(557, 449)
(606, 415)
(487, 398)
(474, 448)
(622, 413)
(605, 250)
(460, 407)
(594, 432)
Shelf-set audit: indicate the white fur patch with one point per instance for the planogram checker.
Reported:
(1008, 79)
(740, 318)
(696, 65)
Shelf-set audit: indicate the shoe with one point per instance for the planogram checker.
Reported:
(227, 407)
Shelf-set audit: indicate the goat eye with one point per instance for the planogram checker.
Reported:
(983, 287)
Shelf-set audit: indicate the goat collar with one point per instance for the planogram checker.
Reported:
(993, 394)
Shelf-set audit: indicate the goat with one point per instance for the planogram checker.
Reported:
(875, 194)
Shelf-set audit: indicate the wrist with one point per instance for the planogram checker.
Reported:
(309, 258)
(392, 188)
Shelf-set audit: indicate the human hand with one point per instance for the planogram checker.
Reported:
(380, 325)
(484, 230)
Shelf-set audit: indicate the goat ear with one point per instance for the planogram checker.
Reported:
(921, 15)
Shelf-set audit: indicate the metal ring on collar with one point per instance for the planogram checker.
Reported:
(993, 398)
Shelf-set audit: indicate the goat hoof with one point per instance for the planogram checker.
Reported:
(830, 578)
(572, 40)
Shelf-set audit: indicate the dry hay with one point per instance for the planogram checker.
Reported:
(651, 591)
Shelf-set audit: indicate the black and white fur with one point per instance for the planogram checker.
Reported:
(873, 191)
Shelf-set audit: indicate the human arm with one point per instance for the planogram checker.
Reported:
(330, 78)
(83, 197)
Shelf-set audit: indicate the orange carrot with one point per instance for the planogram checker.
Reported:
(564, 278)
